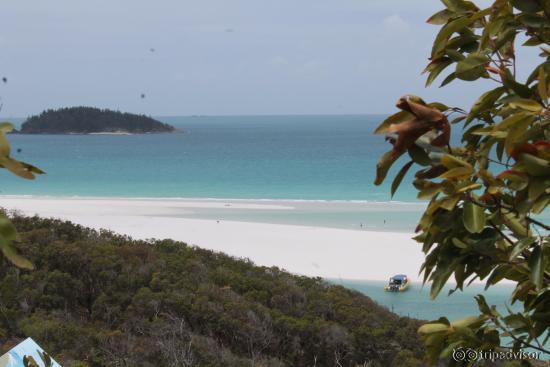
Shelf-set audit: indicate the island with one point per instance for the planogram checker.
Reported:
(90, 120)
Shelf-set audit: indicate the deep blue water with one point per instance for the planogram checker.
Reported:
(278, 157)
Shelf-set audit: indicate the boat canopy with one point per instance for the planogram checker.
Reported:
(401, 277)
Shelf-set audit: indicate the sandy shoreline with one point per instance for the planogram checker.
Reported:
(307, 250)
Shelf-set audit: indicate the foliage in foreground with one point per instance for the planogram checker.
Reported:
(485, 194)
(24, 170)
(99, 299)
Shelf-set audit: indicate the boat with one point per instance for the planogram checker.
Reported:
(398, 283)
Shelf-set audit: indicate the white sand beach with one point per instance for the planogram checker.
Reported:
(307, 250)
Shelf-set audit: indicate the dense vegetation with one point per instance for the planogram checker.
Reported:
(101, 299)
(86, 120)
(486, 193)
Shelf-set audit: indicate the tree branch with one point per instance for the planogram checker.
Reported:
(536, 222)
(528, 345)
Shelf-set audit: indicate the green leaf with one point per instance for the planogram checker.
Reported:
(488, 131)
(440, 106)
(419, 155)
(473, 217)
(482, 304)
(533, 20)
(519, 228)
(469, 187)
(537, 187)
(534, 74)
(526, 104)
(520, 246)
(500, 272)
(399, 177)
(542, 86)
(7, 229)
(435, 71)
(11, 254)
(541, 204)
(429, 192)
(6, 127)
(16, 167)
(439, 281)
(466, 322)
(515, 321)
(4, 145)
(515, 180)
(513, 120)
(454, 54)
(460, 6)
(500, 150)
(537, 265)
(529, 6)
(31, 168)
(446, 32)
(472, 67)
(533, 41)
(450, 161)
(457, 173)
(448, 79)
(485, 102)
(433, 328)
(457, 119)
(504, 38)
(522, 90)
(449, 203)
(396, 118)
(384, 164)
(459, 243)
(517, 135)
(535, 166)
(441, 17)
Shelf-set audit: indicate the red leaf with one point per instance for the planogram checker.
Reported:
(431, 172)
(524, 148)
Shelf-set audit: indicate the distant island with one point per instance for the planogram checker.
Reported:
(90, 120)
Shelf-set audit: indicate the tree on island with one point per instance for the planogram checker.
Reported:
(485, 195)
(86, 120)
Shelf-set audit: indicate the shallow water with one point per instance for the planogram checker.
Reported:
(416, 303)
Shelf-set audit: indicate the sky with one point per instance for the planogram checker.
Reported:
(220, 57)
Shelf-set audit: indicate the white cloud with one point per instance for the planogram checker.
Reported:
(395, 23)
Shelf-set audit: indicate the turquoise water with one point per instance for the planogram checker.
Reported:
(415, 302)
(277, 157)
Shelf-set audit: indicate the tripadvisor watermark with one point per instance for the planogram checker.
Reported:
(471, 355)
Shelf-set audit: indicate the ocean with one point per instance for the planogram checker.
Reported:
(304, 159)
(244, 157)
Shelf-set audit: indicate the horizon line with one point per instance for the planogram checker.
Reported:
(235, 115)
